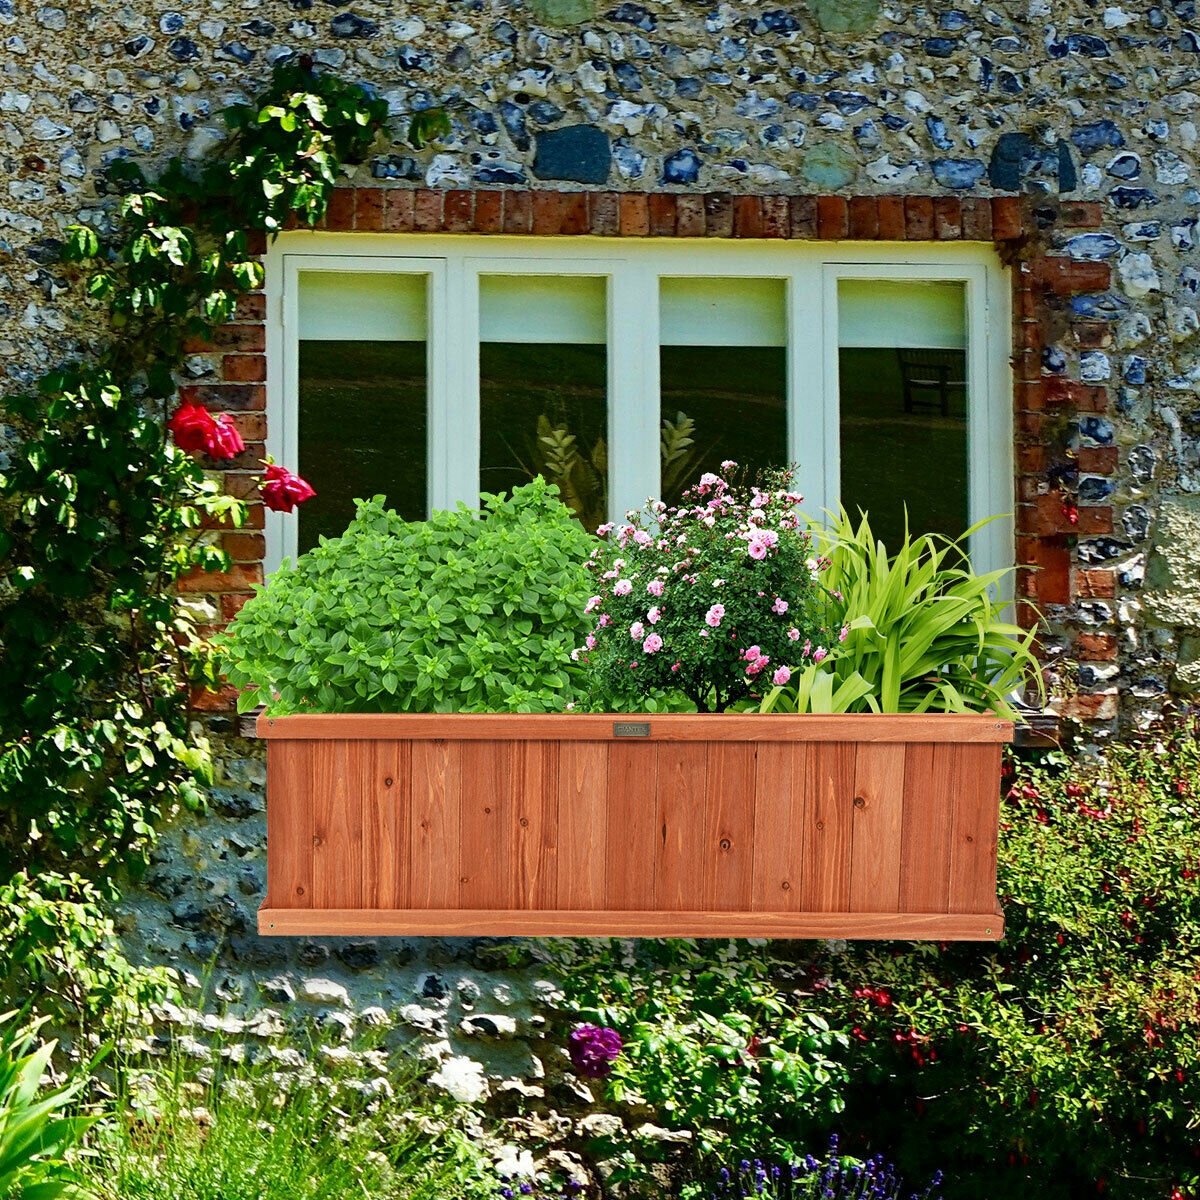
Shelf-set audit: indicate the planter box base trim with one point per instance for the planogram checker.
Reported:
(455, 922)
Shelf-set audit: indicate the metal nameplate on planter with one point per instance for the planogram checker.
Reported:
(631, 729)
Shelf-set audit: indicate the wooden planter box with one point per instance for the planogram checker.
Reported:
(672, 826)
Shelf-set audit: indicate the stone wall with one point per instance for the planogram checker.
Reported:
(852, 111)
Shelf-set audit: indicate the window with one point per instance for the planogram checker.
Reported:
(429, 368)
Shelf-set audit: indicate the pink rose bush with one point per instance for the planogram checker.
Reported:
(717, 600)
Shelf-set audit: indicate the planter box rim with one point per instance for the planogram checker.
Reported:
(710, 727)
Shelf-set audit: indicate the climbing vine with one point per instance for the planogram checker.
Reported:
(105, 501)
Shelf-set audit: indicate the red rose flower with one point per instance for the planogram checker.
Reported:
(224, 441)
(282, 489)
(192, 426)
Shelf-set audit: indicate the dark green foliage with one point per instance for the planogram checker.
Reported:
(457, 613)
(723, 1040)
(100, 515)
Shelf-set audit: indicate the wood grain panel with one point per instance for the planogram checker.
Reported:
(289, 824)
(487, 876)
(434, 825)
(630, 851)
(720, 727)
(878, 827)
(582, 823)
(825, 853)
(930, 780)
(975, 827)
(536, 797)
(340, 781)
(780, 815)
(679, 833)
(727, 864)
(940, 927)
(387, 813)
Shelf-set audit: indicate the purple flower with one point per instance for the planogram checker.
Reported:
(594, 1048)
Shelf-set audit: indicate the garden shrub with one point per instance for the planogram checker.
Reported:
(463, 612)
(716, 1038)
(1065, 1061)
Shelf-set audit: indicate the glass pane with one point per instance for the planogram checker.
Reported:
(543, 387)
(903, 367)
(362, 407)
(723, 373)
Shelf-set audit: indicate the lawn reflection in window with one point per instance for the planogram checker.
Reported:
(543, 384)
(362, 411)
(723, 376)
(903, 404)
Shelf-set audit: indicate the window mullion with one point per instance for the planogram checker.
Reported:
(454, 386)
(812, 388)
(634, 471)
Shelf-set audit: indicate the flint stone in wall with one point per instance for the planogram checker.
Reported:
(1171, 594)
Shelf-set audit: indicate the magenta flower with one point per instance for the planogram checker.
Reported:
(844, 633)
(781, 676)
(653, 644)
(714, 615)
(820, 654)
(594, 1049)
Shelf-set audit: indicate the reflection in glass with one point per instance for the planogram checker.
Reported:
(723, 377)
(543, 387)
(362, 402)
(903, 370)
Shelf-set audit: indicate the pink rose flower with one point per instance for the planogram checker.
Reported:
(714, 615)
(793, 634)
(590, 641)
(655, 587)
(780, 606)
(637, 630)
(820, 654)
(654, 615)
(622, 587)
(756, 549)
(781, 676)
(593, 603)
(653, 644)
(844, 633)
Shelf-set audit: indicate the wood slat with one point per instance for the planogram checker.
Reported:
(289, 825)
(713, 727)
(877, 828)
(975, 828)
(434, 825)
(536, 798)
(387, 813)
(930, 780)
(939, 927)
(630, 849)
(487, 874)
(582, 824)
(825, 849)
(780, 814)
(339, 782)
(727, 864)
(679, 833)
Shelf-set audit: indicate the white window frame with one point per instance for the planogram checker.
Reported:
(811, 272)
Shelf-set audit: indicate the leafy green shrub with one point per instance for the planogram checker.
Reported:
(922, 632)
(458, 613)
(36, 1130)
(717, 1038)
(1064, 1061)
(61, 946)
(236, 1132)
